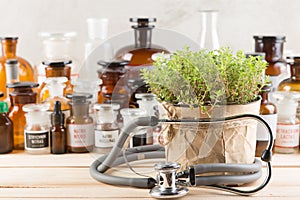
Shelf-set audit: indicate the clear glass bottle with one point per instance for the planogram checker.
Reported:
(293, 82)
(97, 34)
(268, 112)
(272, 46)
(55, 86)
(139, 134)
(56, 69)
(57, 47)
(113, 86)
(106, 129)
(9, 50)
(21, 95)
(80, 126)
(287, 135)
(36, 130)
(140, 55)
(58, 134)
(209, 34)
(6, 129)
(148, 102)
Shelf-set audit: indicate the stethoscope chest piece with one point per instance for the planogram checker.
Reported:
(166, 182)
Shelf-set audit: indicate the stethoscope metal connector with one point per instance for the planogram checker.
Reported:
(168, 183)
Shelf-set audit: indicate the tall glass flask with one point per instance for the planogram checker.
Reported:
(209, 38)
(9, 51)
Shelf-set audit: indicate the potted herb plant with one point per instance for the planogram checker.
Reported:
(206, 84)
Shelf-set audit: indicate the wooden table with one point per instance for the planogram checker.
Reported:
(67, 177)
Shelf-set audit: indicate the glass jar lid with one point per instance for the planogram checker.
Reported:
(57, 63)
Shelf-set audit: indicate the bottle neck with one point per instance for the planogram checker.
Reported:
(9, 48)
(80, 110)
(64, 71)
(273, 50)
(143, 37)
(264, 97)
(21, 97)
(57, 49)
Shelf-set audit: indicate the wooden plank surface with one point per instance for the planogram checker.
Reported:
(67, 177)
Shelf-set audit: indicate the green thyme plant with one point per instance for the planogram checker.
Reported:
(206, 77)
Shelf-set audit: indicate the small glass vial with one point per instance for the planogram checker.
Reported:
(6, 129)
(106, 129)
(139, 134)
(268, 112)
(36, 130)
(58, 135)
(80, 126)
(287, 135)
(22, 94)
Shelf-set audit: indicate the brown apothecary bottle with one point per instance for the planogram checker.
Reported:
(21, 95)
(140, 55)
(272, 46)
(80, 126)
(114, 86)
(56, 69)
(267, 112)
(9, 50)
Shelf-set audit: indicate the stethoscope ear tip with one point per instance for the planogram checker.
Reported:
(266, 155)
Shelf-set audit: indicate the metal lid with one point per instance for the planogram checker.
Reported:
(11, 61)
(57, 63)
(22, 85)
(142, 22)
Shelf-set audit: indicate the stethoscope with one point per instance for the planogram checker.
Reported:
(171, 184)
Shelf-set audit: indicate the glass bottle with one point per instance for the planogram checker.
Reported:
(148, 102)
(55, 86)
(272, 46)
(57, 47)
(293, 82)
(56, 69)
(58, 135)
(6, 129)
(36, 130)
(80, 126)
(209, 35)
(139, 134)
(97, 34)
(21, 95)
(268, 112)
(287, 135)
(91, 87)
(106, 129)
(9, 50)
(140, 55)
(113, 86)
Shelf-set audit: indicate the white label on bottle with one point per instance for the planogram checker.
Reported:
(105, 139)
(287, 135)
(262, 133)
(80, 135)
(36, 139)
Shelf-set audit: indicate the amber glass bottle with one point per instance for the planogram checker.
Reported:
(113, 86)
(80, 126)
(292, 83)
(268, 112)
(139, 55)
(9, 49)
(22, 94)
(56, 69)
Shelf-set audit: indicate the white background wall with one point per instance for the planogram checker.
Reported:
(238, 21)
